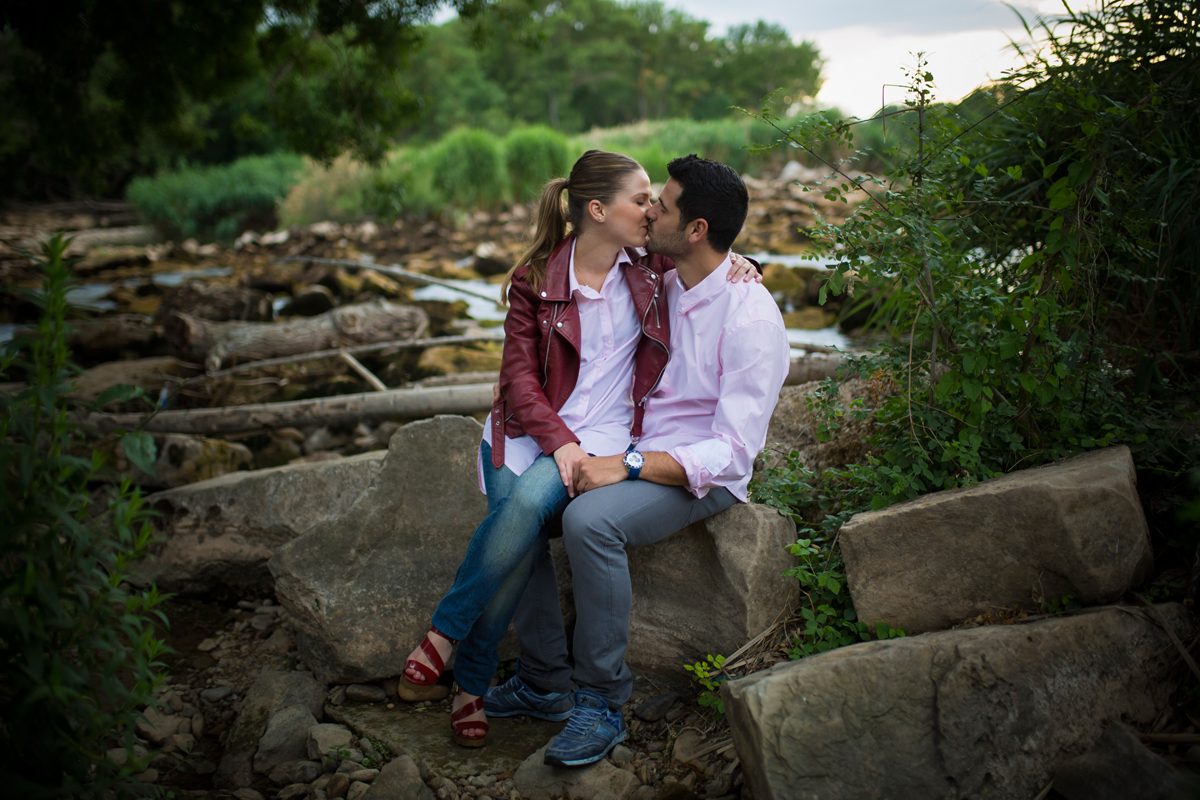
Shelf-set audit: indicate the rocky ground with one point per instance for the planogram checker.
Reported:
(675, 749)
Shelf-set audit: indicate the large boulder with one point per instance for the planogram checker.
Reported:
(801, 422)
(219, 533)
(982, 712)
(361, 586)
(709, 588)
(1020, 541)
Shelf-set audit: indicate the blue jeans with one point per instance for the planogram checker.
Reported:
(499, 559)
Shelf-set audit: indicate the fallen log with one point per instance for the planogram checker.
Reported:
(397, 344)
(222, 342)
(397, 272)
(393, 404)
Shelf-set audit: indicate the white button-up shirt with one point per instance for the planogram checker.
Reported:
(600, 408)
(729, 358)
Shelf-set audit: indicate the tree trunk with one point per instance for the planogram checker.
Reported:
(394, 404)
(218, 343)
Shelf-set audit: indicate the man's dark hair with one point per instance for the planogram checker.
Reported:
(711, 191)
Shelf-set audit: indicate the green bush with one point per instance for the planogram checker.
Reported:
(339, 191)
(534, 155)
(467, 170)
(77, 647)
(217, 202)
(403, 186)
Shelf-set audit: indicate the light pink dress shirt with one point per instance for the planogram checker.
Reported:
(729, 358)
(600, 408)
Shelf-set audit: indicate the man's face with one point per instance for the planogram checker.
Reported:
(666, 226)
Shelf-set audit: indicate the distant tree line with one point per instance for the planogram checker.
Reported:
(96, 92)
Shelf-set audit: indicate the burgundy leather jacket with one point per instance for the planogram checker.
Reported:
(541, 349)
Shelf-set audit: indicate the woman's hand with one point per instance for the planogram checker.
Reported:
(742, 270)
(568, 457)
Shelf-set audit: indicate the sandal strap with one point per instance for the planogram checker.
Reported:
(459, 723)
(435, 658)
(429, 674)
(470, 708)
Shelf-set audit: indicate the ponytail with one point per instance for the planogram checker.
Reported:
(551, 228)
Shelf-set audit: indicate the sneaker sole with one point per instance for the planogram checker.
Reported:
(583, 762)
(549, 716)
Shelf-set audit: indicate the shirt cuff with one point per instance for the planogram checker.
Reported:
(702, 462)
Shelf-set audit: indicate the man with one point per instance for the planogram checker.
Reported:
(704, 424)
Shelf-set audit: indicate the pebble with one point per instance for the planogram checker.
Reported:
(147, 776)
(292, 791)
(183, 742)
(622, 755)
(207, 645)
(262, 622)
(688, 743)
(657, 746)
(655, 708)
(338, 784)
(248, 794)
(357, 790)
(364, 775)
(198, 725)
(216, 694)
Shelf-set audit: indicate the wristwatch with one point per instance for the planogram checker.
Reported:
(633, 461)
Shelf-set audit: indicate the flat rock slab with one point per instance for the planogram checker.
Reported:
(1019, 541)
(983, 712)
(424, 733)
(219, 533)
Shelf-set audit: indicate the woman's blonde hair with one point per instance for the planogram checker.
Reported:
(597, 175)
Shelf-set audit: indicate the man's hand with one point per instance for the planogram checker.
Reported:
(568, 458)
(597, 471)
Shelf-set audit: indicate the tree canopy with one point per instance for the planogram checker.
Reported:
(98, 92)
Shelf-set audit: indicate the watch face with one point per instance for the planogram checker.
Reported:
(634, 460)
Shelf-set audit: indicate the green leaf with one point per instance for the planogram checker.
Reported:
(120, 393)
(139, 448)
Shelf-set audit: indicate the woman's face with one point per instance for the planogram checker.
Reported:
(624, 216)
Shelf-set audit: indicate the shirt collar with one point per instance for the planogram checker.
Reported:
(573, 284)
(707, 290)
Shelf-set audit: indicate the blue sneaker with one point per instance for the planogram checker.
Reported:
(592, 732)
(516, 698)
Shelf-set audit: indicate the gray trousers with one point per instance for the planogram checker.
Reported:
(598, 528)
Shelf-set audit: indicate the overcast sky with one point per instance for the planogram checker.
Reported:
(868, 43)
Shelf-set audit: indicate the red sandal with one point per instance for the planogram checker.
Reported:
(460, 725)
(427, 687)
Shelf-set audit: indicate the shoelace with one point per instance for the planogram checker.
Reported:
(582, 721)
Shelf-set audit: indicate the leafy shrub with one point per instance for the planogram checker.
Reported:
(467, 170)
(339, 191)
(216, 202)
(534, 155)
(77, 647)
(403, 186)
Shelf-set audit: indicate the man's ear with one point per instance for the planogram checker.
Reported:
(697, 230)
(595, 210)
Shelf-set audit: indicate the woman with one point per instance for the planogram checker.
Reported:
(585, 342)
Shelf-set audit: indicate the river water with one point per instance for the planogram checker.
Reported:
(94, 297)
